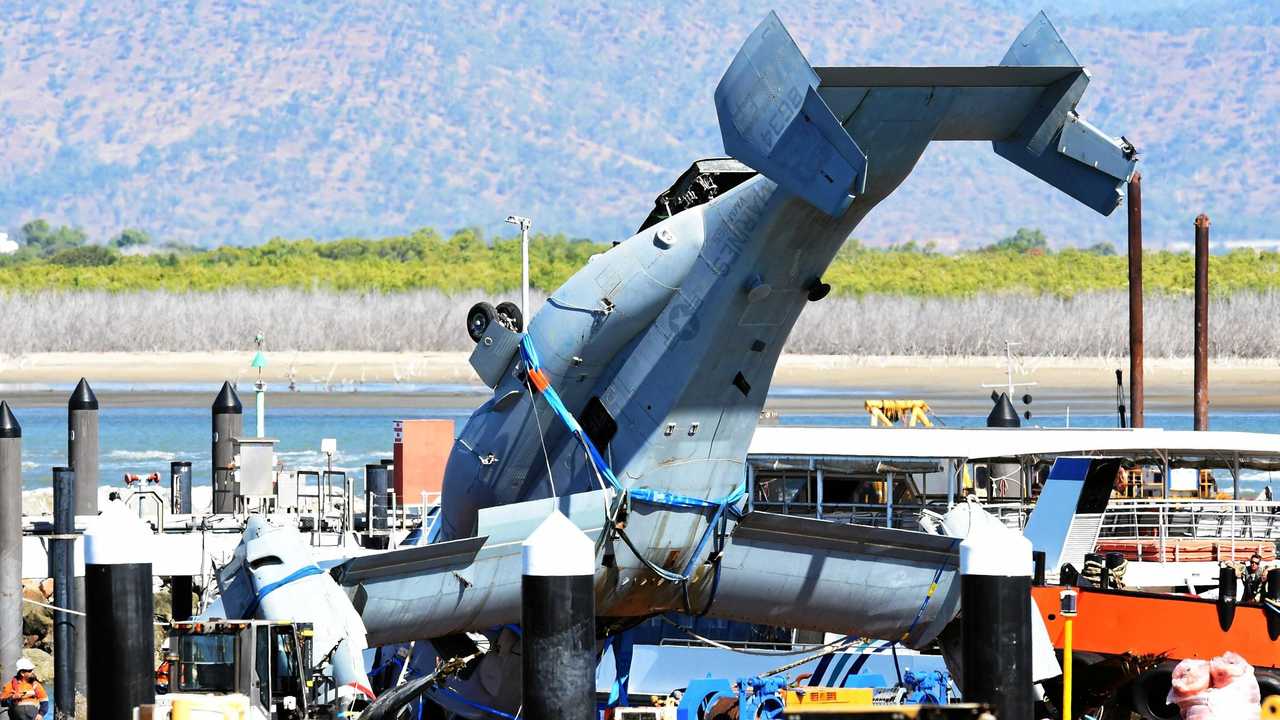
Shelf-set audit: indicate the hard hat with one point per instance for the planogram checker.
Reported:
(24, 664)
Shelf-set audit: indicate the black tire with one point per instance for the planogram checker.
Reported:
(1268, 683)
(1149, 693)
(478, 319)
(515, 318)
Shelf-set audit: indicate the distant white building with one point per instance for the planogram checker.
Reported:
(7, 246)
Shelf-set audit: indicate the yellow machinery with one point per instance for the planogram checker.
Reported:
(225, 707)
(829, 698)
(890, 712)
(243, 670)
(891, 412)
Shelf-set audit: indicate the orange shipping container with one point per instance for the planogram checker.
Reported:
(420, 452)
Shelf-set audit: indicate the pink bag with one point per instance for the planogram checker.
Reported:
(1224, 688)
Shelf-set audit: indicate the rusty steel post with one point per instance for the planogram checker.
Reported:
(1136, 391)
(1201, 410)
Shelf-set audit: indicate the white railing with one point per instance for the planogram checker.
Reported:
(1160, 530)
(901, 515)
(1168, 529)
(403, 515)
(136, 501)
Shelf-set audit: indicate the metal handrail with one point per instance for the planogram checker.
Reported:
(139, 496)
(1167, 522)
(1192, 519)
(401, 514)
(876, 515)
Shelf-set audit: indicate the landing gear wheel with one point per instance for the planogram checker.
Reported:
(478, 319)
(510, 313)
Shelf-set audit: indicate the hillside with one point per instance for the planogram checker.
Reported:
(231, 122)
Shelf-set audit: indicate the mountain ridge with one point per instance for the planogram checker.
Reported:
(232, 122)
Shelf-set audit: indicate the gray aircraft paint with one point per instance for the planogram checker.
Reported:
(677, 330)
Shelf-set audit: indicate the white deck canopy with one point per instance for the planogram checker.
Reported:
(1246, 448)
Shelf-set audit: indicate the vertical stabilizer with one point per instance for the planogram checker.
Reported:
(1040, 44)
(1053, 142)
(773, 120)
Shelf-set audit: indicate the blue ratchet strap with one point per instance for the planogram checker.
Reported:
(269, 588)
(622, 650)
(711, 525)
(471, 703)
(542, 383)
(933, 588)
(393, 660)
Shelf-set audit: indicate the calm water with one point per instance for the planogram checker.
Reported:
(144, 440)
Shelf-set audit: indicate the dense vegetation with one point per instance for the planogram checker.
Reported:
(59, 258)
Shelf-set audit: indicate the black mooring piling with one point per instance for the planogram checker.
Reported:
(995, 609)
(180, 487)
(83, 458)
(118, 622)
(558, 622)
(228, 423)
(10, 538)
(82, 446)
(377, 486)
(62, 570)
(180, 589)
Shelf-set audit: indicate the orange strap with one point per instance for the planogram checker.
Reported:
(539, 379)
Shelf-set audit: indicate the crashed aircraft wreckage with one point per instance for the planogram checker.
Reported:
(630, 401)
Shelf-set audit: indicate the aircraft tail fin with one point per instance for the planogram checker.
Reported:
(773, 120)
(1053, 142)
(779, 116)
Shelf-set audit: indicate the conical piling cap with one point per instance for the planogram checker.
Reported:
(117, 537)
(558, 548)
(227, 402)
(82, 398)
(1003, 415)
(9, 427)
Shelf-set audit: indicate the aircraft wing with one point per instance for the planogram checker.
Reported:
(815, 574)
(450, 587)
(862, 581)
(780, 570)
(853, 579)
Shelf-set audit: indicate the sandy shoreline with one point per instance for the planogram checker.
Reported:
(372, 378)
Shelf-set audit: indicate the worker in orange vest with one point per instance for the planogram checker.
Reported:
(24, 694)
(163, 676)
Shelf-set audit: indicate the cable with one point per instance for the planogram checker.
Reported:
(828, 649)
(482, 708)
(533, 403)
(659, 571)
(53, 607)
(69, 611)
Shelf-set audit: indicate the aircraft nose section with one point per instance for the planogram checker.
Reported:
(256, 527)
